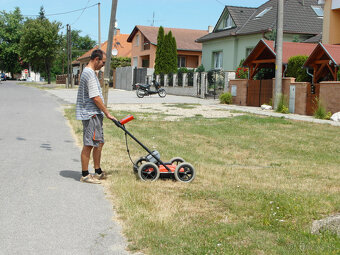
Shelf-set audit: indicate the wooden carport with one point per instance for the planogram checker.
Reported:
(264, 56)
(325, 61)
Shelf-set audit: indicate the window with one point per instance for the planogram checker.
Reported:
(248, 51)
(228, 22)
(137, 40)
(263, 12)
(318, 10)
(181, 61)
(217, 58)
(135, 62)
(146, 44)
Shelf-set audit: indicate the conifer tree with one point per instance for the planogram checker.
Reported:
(159, 61)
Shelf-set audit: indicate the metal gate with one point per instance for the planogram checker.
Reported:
(259, 92)
(139, 75)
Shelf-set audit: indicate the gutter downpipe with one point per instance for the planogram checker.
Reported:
(311, 75)
(284, 73)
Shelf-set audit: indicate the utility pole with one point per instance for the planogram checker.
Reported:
(112, 29)
(278, 62)
(99, 42)
(68, 55)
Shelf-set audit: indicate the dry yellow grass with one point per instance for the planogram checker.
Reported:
(260, 183)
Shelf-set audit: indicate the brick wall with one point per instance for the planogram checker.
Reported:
(330, 95)
(241, 91)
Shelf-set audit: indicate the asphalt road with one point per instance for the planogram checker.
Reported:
(44, 209)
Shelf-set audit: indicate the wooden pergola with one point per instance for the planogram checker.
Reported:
(325, 61)
(264, 56)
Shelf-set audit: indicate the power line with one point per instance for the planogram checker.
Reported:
(220, 2)
(61, 13)
(81, 13)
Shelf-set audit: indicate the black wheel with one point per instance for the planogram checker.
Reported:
(176, 161)
(138, 163)
(161, 92)
(185, 172)
(148, 172)
(140, 93)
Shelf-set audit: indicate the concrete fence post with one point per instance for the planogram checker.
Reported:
(185, 80)
(174, 80)
(166, 81)
(195, 76)
(203, 84)
(158, 78)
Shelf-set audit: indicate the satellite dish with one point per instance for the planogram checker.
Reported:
(114, 52)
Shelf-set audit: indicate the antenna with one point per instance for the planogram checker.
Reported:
(153, 19)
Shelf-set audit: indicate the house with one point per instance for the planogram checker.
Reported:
(144, 45)
(331, 22)
(120, 48)
(239, 29)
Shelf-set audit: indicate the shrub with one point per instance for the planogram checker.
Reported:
(241, 72)
(226, 98)
(283, 105)
(320, 112)
(294, 69)
(200, 69)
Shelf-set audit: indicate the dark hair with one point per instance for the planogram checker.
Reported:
(97, 53)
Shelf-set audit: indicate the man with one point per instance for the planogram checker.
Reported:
(90, 109)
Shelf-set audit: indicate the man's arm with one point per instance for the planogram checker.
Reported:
(100, 104)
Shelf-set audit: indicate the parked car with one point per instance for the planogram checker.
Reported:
(3, 77)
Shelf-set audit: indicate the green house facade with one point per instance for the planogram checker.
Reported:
(239, 29)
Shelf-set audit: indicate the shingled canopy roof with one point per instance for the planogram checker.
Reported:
(263, 55)
(185, 38)
(325, 59)
(299, 18)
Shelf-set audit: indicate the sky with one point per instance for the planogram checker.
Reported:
(191, 14)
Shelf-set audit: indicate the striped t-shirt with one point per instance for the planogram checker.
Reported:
(89, 87)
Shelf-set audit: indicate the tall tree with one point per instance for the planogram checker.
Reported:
(80, 45)
(173, 61)
(40, 43)
(11, 25)
(159, 60)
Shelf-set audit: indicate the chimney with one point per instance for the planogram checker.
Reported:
(210, 29)
(117, 31)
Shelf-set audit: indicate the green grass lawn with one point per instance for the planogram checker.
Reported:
(260, 183)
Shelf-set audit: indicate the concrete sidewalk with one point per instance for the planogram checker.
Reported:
(45, 209)
(117, 96)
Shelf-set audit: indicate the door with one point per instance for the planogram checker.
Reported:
(292, 99)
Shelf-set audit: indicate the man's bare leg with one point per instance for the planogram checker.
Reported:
(85, 157)
(97, 153)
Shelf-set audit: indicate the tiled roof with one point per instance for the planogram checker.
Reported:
(333, 52)
(299, 18)
(314, 39)
(119, 42)
(185, 38)
(289, 49)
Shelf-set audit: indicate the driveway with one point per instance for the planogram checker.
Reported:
(44, 207)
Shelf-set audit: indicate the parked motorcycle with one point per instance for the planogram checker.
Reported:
(145, 90)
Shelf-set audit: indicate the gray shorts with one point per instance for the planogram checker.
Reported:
(93, 133)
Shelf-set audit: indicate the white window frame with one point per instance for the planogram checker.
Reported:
(263, 12)
(218, 59)
(228, 22)
(137, 40)
(135, 61)
(179, 61)
(317, 9)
